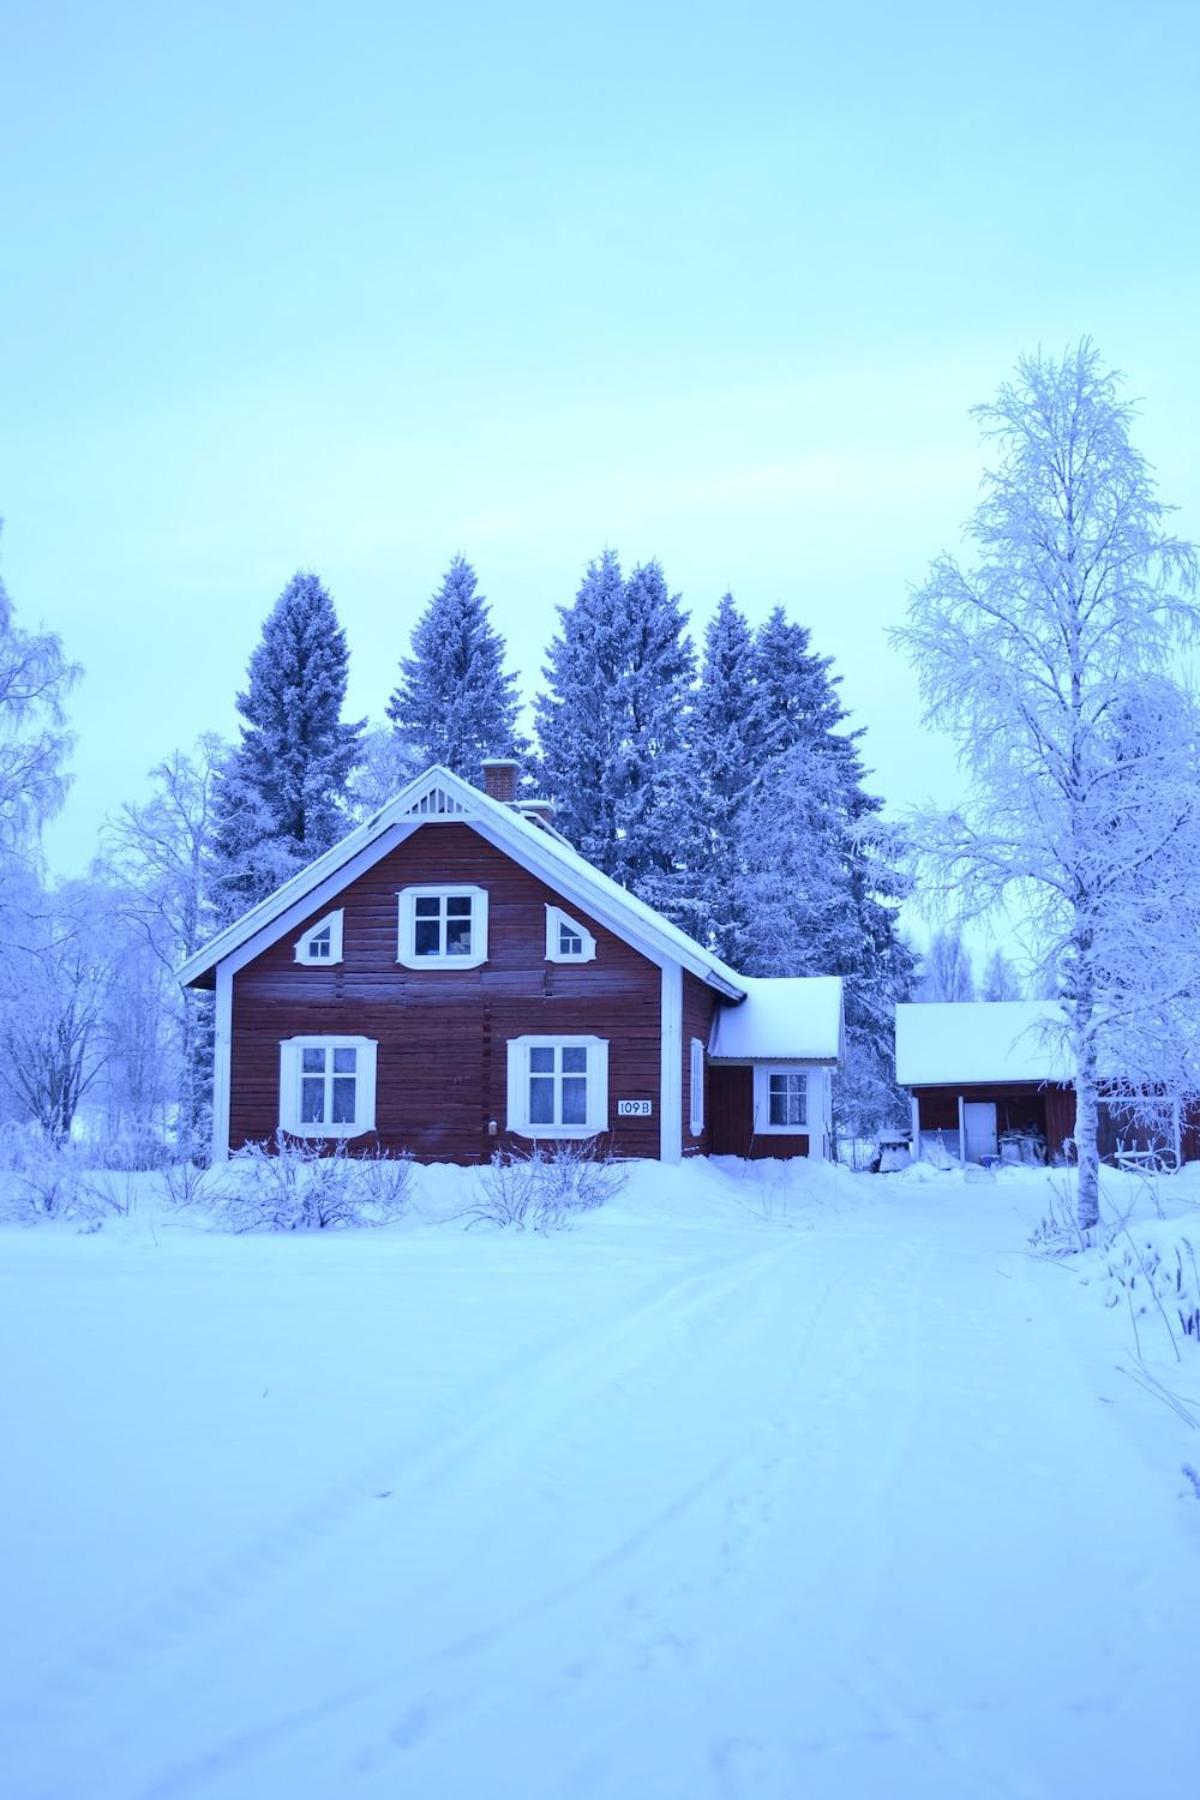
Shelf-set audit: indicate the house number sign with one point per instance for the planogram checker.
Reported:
(635, 1109)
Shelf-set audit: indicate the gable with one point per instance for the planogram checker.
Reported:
(440, 798)
(444, 854)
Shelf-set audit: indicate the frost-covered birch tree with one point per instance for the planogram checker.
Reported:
(1000, 979)
(34, 740)
(157, 853)
(1049, 658)
(947, 973)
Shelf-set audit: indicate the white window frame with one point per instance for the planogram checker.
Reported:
(696, 1089)
(762, 1101)
(557, 921)
(290, 1074)
(442, 890)
(518, 1086)
(303, 944)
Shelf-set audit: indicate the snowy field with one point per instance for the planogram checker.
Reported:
(800, 1486)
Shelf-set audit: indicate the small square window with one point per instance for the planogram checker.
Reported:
(439, 928)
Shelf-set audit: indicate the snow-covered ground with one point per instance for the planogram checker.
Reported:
(799, 1484)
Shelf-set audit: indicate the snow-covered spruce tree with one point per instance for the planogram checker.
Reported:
(820, 889)
(280, 798)
(1000, 979)
(455, 704)
(34, 740)
(727, 745)
(797, 697)
(802, 715)
(611, 723)
(1075, 603)
(946, 973)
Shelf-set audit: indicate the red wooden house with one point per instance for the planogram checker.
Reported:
(453, 978)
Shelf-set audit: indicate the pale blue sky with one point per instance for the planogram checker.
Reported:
(357, 287)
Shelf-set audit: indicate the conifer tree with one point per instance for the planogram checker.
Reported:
(819, 879)
(280, 797)
(611, 722)
(729, 733)
(796, 692)
(455, 704)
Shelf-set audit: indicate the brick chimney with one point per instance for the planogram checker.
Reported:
(500, 778)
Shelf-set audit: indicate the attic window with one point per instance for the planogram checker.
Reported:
(567, 941)
(322, 942)
(443, 928)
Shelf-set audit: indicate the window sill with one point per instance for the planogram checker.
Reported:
(441, 962)
(551, 1133)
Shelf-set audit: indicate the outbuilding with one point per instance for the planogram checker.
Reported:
(990, 1078)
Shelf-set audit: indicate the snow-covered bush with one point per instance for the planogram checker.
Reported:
(184, 1182)
(384, 1181)
(546, 1186)
(47, 1181)
(291, 1185)
(129, 1150)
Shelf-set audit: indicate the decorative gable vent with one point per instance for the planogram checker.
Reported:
(435, 804)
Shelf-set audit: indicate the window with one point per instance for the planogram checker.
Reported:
(557, 1087)
(567, 941)
(780, 1099)
(327, 1086)
(696, 1088)
(322, 942)
(443, 927)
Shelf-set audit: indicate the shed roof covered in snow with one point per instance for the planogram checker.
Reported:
(782, 1019)
(968, 1043)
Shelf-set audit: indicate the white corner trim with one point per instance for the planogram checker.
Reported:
(331, 922)
(406, 953)
(222, 1054)
(670, 1035)
(556, 920)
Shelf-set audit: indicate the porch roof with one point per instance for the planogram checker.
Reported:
(782, 1019)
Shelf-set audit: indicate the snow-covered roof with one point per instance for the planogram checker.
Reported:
(782, 1018)
(963, 1043)
(436, 794)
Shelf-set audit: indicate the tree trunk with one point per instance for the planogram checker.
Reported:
(1087, 1207)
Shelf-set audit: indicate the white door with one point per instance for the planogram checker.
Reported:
(979, 1126)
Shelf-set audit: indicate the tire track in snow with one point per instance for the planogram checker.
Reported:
(170, 1626)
